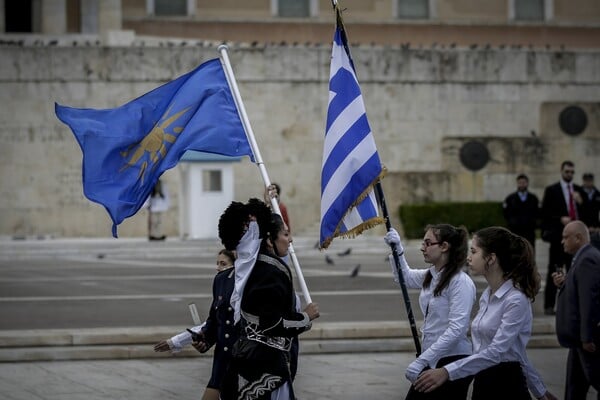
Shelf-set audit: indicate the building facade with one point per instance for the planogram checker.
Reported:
(452, 120)
(537, 23)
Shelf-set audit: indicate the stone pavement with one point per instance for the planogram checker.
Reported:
(348, 376)
(346, 360)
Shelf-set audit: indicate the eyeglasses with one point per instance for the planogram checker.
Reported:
(427, 243)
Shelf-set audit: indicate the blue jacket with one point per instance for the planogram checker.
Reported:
(219, 329)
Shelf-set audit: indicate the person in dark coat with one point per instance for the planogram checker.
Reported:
(265, 299)
(522, 210)
(590, 208)
(217, 330)
(578, 312)
(559, 207)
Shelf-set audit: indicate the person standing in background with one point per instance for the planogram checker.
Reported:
(590, 208)
(522, 210)
(274, 190)
(578, 312)
(559, 207)
(158, 203)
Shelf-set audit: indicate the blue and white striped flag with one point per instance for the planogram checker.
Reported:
(351, 165)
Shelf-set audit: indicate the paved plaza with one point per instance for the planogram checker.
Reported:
(63, 301)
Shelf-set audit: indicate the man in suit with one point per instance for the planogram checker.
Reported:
(578, 312)
(521, 210)
(590, 208)
(559, 207)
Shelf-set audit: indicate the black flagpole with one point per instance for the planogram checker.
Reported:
(409, 312)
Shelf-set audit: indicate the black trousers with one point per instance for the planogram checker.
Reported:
(451, 390)
(583, 371)
(500, 382)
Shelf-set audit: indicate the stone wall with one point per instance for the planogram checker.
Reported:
(423, 106)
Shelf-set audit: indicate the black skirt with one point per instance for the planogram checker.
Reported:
(500, 382)
(450, 390)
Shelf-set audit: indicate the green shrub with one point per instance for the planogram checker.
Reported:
(473, 215)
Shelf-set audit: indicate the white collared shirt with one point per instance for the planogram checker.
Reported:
(522, 195)
(447, 316)
(500, 332)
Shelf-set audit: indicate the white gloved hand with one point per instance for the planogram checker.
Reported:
(394, 269)
(403, 264)
(414, 369)
(393, 237)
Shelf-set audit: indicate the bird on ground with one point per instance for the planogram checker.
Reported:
(355, 271)
(345, 253)
(329, 260)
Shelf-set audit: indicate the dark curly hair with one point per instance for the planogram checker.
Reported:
(234, 221)
(232, 224)
(262, 212)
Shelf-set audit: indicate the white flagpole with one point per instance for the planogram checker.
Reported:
(224, 57)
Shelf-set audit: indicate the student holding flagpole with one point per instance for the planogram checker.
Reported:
(446, 299)
(264, 303)
(502, 326)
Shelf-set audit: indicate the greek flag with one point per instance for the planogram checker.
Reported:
(351, 165)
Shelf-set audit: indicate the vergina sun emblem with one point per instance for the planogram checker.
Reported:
(153, 147)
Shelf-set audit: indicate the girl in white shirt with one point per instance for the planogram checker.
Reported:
(446, 299)
(502, 327)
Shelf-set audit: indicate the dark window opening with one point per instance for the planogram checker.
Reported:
(529, 10)
(170, 8)
(413, 9)
(294, 8)
(18, 16)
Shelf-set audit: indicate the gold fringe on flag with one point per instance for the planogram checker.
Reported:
(357, 230)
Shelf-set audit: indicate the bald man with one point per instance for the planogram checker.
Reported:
(578, 312)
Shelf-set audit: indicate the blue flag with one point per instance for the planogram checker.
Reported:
(351, 165)
(126, 149)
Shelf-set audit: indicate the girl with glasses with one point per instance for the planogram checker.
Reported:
(446, 299)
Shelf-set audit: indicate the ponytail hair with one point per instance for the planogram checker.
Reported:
(515, 257)
(458, 244)
(272, 229)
